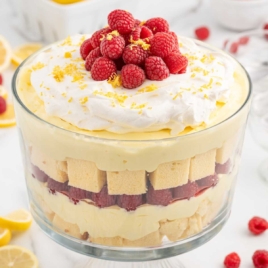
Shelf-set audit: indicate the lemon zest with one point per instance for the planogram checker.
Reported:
(38, 66)
(115, 80)
(140, 42)
(149, 88)
(83, 100)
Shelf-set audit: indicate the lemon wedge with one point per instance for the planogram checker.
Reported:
(22, 52)
(5, 54)
(3, 92)
(5, 236)
(17, 257)
(7, 119)
(19, 220)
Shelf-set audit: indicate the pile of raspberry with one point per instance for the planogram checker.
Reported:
(139, 50)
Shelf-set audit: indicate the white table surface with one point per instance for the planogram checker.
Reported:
(251, 197)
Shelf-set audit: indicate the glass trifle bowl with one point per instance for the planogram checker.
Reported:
(147, 192)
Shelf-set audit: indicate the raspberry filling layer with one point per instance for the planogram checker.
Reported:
(131, 202)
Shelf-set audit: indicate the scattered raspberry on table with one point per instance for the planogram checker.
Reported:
(260, 259)
(232, 260)
(257, 225)
(3, 105)
(265, 27)
(202, 33)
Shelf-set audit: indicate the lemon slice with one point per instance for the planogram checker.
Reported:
(66, 2)
(5, 54)
(17, 257)
(18, 220)
(3, 92)
(22, 52)
(7, 119)
(5, 236)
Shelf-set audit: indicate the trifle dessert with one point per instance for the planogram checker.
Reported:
(132, 135)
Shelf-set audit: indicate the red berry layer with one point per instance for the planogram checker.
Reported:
(129, 202)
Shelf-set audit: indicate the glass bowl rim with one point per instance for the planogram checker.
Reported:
(172, 138)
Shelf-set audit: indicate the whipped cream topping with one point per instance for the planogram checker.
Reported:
(186, 100)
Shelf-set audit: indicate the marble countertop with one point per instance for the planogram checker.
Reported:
(251, 197)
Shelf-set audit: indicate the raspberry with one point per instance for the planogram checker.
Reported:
(232, 260)
(112, 46)
(39, 174)
(1, 79)
(98, 35)
(103, 199)
(176, 62)
(265, 27)
(85, 48)
(135, 34)
(92, 56)
(234, 47)
(177, 46)
(57, 186)
(129, 202)
(156, 69)
(260, 259)
(134, 54)
(102, 69)
(145, 32)
(121, 20)
(182, 71)
(257, 225)
(185, 191)
(3, 105)
(223, 168)
(137, 22)
(119, 63)
(162, 44)
(132, 76)
(157, 25)
(158, 197)
(243, 40)
(77, 193)
(202, 33)
(207, 182)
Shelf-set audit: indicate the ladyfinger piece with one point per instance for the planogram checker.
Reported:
(170, 175)
(85, 175)
(126, 182)
(202, 165)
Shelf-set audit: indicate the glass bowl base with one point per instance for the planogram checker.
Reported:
(166, 263)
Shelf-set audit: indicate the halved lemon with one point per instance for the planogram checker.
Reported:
(18, 220)
(22, 52)
(66, 2)
(17, 257)
(5, 54)
(3, 92)
(7, 119)
(5, 236)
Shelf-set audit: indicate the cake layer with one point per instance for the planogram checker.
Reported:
(85, 175)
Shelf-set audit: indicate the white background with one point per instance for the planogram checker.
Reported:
(251, 197)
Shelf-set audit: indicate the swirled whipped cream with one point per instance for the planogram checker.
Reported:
(186, 100)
